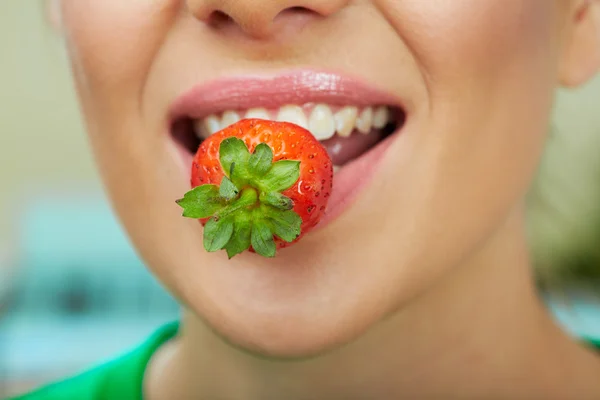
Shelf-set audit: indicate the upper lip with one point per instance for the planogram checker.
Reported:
(273, 91)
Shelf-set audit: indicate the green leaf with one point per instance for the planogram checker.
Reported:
(277, 200)
(233, 150)
(217, 233)
(284, 224)
(228, 190)
(262, 239)
(282, 175)
(201, 202)
(261, 160)
(240, 239)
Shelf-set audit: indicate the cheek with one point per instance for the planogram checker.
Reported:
(490, 67)
(472, 37)
(112, 45)
(468, 156)
(112, 42)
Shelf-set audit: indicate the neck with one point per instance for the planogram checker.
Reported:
(481, 332)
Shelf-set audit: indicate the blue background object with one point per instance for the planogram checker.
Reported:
(80, 296)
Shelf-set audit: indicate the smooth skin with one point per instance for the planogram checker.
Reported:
(422, 289)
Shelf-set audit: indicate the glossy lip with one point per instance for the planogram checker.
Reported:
(353, 177)
(295, 87)
(268, 91)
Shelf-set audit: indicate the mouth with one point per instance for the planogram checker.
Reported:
(351, 119)
(346, 132)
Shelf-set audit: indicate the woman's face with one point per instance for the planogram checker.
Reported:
(474, 80)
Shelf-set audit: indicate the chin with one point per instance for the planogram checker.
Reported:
(291, 307)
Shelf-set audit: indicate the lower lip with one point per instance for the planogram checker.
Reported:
(349, 181)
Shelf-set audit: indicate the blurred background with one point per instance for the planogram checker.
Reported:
(72, 290)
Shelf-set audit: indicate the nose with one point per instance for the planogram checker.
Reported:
(262, 18)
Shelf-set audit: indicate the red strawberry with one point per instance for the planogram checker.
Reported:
(258, 185)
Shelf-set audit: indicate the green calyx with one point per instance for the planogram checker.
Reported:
(247, 208)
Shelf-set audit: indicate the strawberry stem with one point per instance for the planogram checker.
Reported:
(247, 208)
(248, 198)
(276, 200)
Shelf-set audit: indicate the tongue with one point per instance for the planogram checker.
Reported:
(344, 149)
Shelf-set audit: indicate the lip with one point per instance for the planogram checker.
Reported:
(349, 181)
(273, 91)
(296, 87)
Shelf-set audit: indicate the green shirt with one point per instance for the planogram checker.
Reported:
(120, 379)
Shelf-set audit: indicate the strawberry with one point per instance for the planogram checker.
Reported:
(258, 185)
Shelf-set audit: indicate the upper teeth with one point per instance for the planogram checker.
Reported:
(323, 121)
(293, 114)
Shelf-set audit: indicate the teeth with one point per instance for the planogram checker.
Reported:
(260, 113)
(293, 114)
(229, 118)
(207, 126)
(364, 122)
(381, 117)
(345, 119)
(321, 122)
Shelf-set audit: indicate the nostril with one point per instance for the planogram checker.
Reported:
(302, 10)
(261, 19)
(295, 14)
(219, 18)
